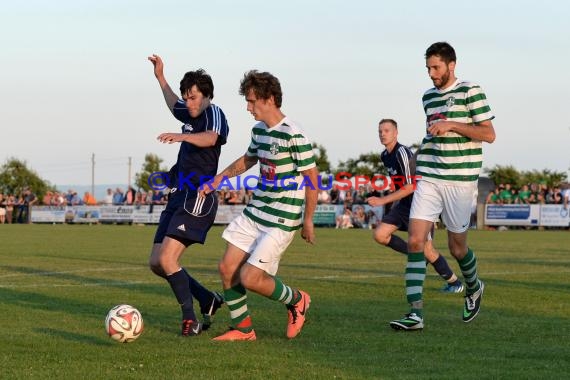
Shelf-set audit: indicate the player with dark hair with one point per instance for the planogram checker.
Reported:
(259, 236)
(458, 120)
(400, 163)
(187, 217)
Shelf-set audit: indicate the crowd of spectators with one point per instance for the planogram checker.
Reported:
(16, 208)
(356, 213)
(116, 197)
(529, 194)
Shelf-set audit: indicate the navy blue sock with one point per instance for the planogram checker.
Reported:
(442, 268)
(203, 295)
(181, 287)
(398, 244)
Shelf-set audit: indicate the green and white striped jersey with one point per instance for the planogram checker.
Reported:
(283, 153)
(452, 157)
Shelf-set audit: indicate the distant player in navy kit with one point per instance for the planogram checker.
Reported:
(399, 161)
(187, 217)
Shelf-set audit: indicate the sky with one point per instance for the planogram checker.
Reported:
(76, 82)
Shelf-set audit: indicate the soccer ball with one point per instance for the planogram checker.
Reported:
(124, 323)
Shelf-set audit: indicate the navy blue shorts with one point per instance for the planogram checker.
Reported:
(187, 217)
(398, 216)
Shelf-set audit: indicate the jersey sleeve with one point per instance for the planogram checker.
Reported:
(301, 152)
(180, 112)
(477, 104)
(216, 122)
(404, 156)
(253, 145)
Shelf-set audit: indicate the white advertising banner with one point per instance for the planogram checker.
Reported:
(554, 215)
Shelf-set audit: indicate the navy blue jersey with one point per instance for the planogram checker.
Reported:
(195, 162)
(398, 164)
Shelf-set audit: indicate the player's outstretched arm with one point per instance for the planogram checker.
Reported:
(200, 139)
(239, 166)
(169, 96)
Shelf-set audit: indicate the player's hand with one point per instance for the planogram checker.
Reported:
(170, 138)
(158, 65)
(308, 232)
(375, 201)
(439, 128)
(210, 186)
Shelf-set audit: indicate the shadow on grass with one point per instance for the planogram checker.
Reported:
(159, 288)
(73, 337)
(164, 319)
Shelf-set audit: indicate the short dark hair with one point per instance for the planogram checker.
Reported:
(443, 50)
(264, 86)
(201, 79)
(392, 121)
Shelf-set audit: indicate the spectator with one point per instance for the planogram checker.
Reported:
(108, 199)
(130, 196)
(10, 202)
(345, 220)
(493, 197)
(234, 198)
(158, 198)
(515, 195)
(323, 197)
(2, 209)
(46, 200)
(360, 195)
(334, 194)
(69, 197)
(348, 200)
(359, 217)
(505, 194)
(76, 200)
(118, 197)
(59, 200)
(248, 196)
(523, 195)
(565, 194)
(89, 199)
(554, 198)
(25, 206)
(140, 197)
(221, 196)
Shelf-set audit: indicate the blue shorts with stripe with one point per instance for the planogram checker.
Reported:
(187, 217)
(399, 216)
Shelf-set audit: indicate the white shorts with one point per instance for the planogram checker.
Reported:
(265, 245)
(453, 203)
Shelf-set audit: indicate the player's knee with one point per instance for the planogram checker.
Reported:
(381, 237)
(415, 243)
(226, 272)
(155, 267)
(251, 277)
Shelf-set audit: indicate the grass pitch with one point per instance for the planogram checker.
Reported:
(57, 283)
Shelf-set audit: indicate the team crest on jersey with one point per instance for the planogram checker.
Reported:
(274, 148)
(187, 128)
(450, 102)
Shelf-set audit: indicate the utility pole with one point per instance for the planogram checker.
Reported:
(130, 162)
(93, 174)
